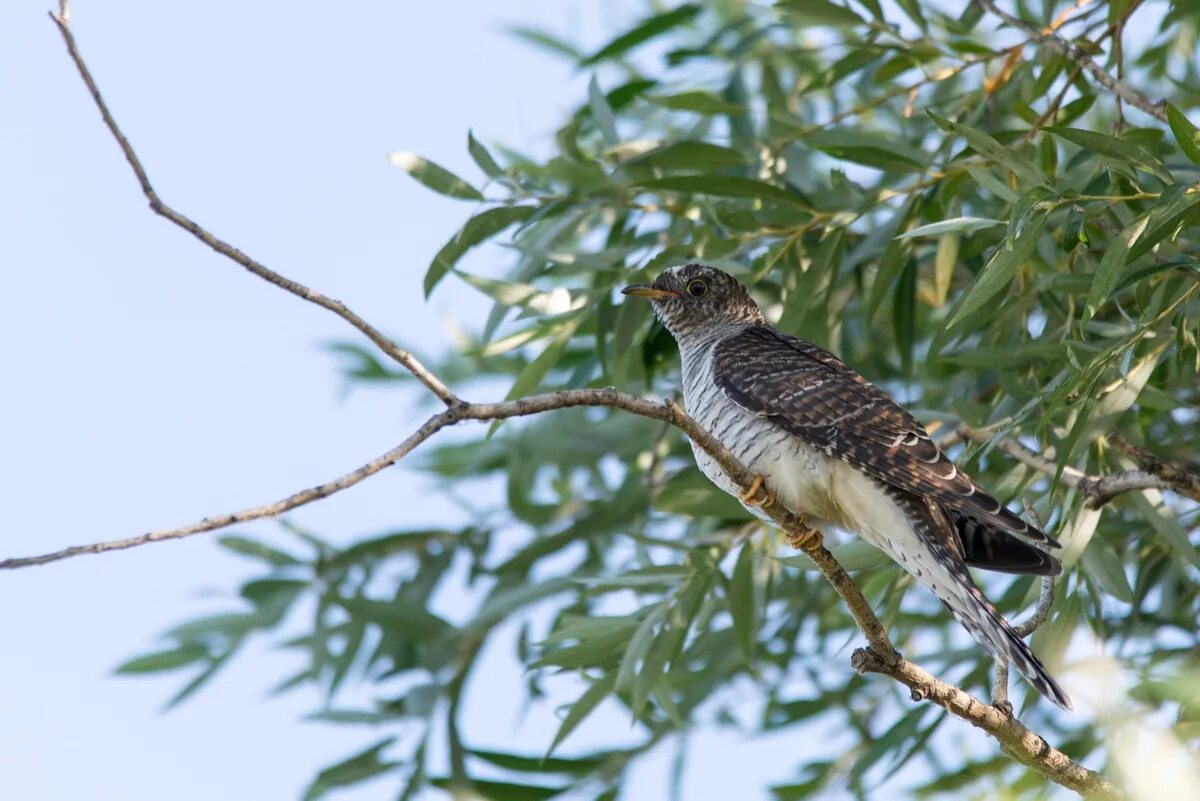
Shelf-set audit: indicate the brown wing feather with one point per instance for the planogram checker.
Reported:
(815, 396)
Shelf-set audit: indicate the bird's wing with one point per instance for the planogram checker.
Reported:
(815, 396)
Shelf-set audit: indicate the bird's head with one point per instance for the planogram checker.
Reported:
(693, 297)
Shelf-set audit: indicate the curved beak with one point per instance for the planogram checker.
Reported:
(647, 291)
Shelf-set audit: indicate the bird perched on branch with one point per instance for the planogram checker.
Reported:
(833, 447)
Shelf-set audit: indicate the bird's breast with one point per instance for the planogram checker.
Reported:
(799, 475)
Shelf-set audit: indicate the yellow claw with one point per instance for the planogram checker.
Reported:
(806, 539)
(749, 497)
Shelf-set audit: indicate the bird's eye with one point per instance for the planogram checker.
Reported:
(697, 288)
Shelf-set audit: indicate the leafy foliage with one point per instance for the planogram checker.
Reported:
(961, 215)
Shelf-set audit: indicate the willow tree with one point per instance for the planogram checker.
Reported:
(985, 212)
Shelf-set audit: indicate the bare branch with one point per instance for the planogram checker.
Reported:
(385, 344)
(1098, 490)
(1060, 45)
(1020, 743)
(1183, 480)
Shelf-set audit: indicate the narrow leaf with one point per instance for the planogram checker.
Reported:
(1186, 134)
(999, 271)
(989, 148)
(643, 32)
(434, 176)
(1110, 265)
(953, 224)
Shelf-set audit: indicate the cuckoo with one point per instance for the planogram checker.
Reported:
(835, 448)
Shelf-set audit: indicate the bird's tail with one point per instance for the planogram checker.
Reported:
(980, 618)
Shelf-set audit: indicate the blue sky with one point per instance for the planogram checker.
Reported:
(152, 382)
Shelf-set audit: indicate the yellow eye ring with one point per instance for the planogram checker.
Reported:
(697, 288)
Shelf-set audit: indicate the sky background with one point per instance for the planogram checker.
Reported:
(151, 382)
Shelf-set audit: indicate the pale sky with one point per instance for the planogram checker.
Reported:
(152, 382)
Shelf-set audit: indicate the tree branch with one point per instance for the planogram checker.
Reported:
(385, 344)
(1057, 43)
(1020, 743)
(1152, 472)
(1015, 739)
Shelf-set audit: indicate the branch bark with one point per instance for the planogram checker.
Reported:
(381, 340)
(880, 656)
(1151, 473)
(1060, 45)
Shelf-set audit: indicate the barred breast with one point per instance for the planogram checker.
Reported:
(799, 475)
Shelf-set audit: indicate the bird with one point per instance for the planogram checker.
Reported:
(836, 449)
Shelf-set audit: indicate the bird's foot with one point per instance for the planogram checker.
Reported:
(803, 538)
(750, 496)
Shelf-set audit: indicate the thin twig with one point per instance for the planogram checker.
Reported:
(1098, 490)
(385, 344)
(1058, 44)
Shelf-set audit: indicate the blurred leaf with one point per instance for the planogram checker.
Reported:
(742, 601)
(1113, 148)
(479, 228)
(257, 550)
(871, 149)
(999, 272)
(583, 706)
(699, 102)
(1114, 259)
(724, 186)
(643, 32)
(955, 224)
(358, 768)
(483, 159)
(434, 176)
(1185, 133)
(989, 148)
(818, 12)
(164, 660)
(502, 791)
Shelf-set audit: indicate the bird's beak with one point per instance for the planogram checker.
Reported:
(647, 291)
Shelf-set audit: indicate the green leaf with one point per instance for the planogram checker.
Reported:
(583, 706)
(1154, 511)
(689, 156)
(545, 41)
(998, 273)
(479, 228)
(725, 186)
(819, 13)
(904, 315)
(1112, 148)
(602, 113)
(643, 32)
(699, 102)
(358, 768)
(953, 224)
(1186, 134)
(501, 791)
(411, 619)
(1110, 265)
(871, 148)
(690, 493)
(944, 262)
(743, 601)
(482, 157)
(1103, 563)
(639, 645)
(575, 766)
(257, 550)
(989, 148)
(1175, 210)
(434, 176)
(164, 660)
